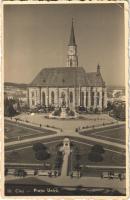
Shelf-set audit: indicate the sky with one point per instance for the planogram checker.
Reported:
(37, 36)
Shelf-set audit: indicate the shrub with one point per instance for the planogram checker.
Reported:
(95, 157)
(39, 147)
(57, 112)
(67, 109)
(71, 113)
(40, 155)
(98, 148)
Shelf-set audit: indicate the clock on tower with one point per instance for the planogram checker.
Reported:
(72, 58)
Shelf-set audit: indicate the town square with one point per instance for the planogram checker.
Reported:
(64, 108)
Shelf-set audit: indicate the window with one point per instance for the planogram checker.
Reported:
(82, 99)
(43, 98)
(52, 97)
(103, 99)
(98, 97)
(86, 98)
(32, 94)
(92, 98)
(71, 97)
(63, 99)
(70, 62)
(33, 102)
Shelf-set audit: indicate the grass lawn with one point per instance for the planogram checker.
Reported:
(13, 130)
(27, 181)
(109, 158)
(113, 134)
(27, 155)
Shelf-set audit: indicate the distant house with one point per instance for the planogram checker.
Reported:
(15, 91)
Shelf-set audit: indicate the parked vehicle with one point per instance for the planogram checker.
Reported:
(11, 171)
(112, 175)
(43, 172)
(30, 172)
(76, 174)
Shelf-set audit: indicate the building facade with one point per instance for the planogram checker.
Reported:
(68, 86)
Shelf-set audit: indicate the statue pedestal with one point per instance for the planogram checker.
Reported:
(63, 113)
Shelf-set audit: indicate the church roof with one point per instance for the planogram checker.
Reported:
(67, 77)
(72, 36)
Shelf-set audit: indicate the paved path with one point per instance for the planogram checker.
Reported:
(21, 123)
(106, 166)
(26, 147)
(64, 165)
(88, 166)
(87, 144)
(68, 134)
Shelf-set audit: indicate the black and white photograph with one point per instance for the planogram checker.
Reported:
(65, 99)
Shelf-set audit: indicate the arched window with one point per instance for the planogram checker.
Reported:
(52, 97)
(32, 94)
(98, 96)
(103, 99)
(33, 102)
(92, 98)
(71, 97)
(82, 99)
(86, 98)
(63, 99)
(43, 98)
(70, 62)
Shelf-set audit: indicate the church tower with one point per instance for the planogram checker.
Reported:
(72, 58)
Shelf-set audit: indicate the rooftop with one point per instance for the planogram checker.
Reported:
(67, 77)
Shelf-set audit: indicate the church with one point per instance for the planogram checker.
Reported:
(69, 86)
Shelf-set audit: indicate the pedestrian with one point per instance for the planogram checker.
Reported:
(55, 173)
(50, 174)
(40, 125)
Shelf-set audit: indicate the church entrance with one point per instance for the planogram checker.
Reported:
(63, 100)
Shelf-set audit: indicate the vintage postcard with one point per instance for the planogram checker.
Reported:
(65, 94)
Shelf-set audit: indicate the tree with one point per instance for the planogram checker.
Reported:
(109, 106)
(98, 148)
(119, 111)
(57, 112)
(9, 110)
(39, 147)
(42, 155)
(95, 156)
(71, 113)
(41, 152)
(59, 159)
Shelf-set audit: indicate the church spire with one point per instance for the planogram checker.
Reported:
(72, 36)
(72, 57)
